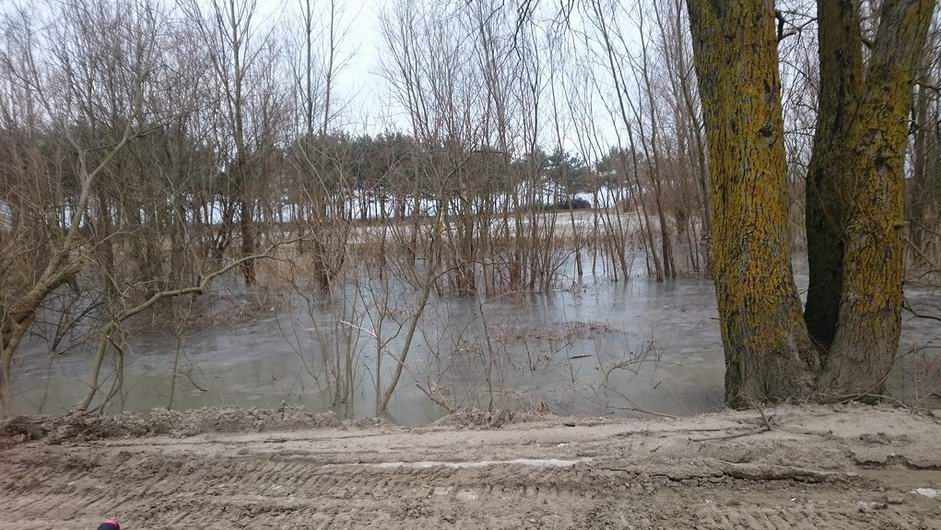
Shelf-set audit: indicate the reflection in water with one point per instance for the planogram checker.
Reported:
(594, 349)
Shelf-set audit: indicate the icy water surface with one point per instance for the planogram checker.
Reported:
(593, 348)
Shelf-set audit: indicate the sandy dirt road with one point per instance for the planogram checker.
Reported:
(845, 467)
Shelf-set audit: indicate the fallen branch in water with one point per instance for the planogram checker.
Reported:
(112, 326)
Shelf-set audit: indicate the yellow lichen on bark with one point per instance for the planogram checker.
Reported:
(858, 162)
(768, 353)
(867, 335)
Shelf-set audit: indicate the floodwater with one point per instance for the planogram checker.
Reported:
(593, 347)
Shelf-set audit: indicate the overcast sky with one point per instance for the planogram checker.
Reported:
(367, 104)
(359, 85)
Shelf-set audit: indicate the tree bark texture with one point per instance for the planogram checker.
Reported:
(769, 355)
(841, 85)
(867, 335)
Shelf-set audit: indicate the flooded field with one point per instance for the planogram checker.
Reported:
(593, 347)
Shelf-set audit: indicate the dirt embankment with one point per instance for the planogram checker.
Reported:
(77, 427)
(794, 467)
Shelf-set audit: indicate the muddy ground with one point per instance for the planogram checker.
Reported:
(793, 467)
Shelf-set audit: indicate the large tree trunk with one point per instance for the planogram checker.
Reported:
(841, 86)
(867, 336)
(769, 355)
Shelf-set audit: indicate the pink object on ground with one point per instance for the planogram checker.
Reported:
(111, 523)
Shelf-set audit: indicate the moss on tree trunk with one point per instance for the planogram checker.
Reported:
(769, 355)
(867, 335)
(855, 198)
